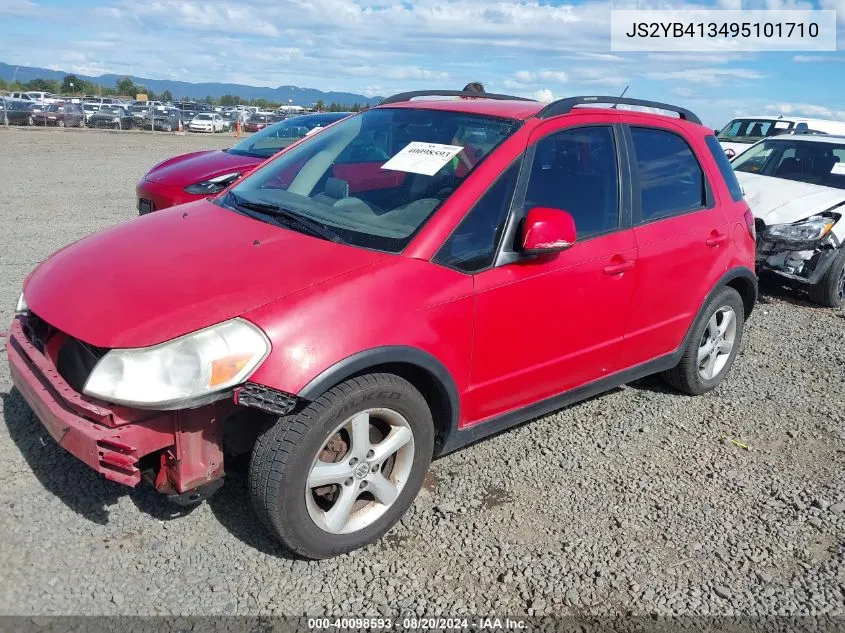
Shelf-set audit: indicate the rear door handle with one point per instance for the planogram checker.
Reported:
(717, 239)
(619, 268)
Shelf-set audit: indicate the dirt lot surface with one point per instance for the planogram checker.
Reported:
(635, 501)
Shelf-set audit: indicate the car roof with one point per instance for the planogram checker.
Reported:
(523, 109)
(499, 107)
(835, 139)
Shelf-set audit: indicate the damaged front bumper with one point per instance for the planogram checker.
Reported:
(179, 451)
(803, 262)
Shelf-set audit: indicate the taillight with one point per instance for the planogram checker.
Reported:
(749, 224)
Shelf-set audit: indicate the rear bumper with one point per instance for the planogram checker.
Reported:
(113, 440)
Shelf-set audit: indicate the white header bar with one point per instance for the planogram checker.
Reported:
(709, 30)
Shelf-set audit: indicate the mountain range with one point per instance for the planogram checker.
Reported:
(180, 89)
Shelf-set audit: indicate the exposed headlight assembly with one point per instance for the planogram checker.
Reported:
(213, 185)
(809, 230)
(187, 371)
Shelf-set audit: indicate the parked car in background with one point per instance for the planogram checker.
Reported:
(200, 174)
(44, 98)
(113, 117)
(260, 120)
(89, 108)
(741, 133)
(162, 118)
(102, 100)
(61, 114)
(795, 185)
(207, 122)
(21, 112)
(346, 322)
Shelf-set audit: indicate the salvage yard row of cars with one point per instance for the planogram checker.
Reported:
(532, 255)
(113, 114)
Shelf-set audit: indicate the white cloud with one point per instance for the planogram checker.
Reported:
(808, 110)
(711, 76)
(817, 59)
(545, 95)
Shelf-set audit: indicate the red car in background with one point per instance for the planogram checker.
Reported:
(360, 303)
(200, 174)
(258, 122)
(60, 114)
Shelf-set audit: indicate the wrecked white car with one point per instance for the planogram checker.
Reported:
(795, 186)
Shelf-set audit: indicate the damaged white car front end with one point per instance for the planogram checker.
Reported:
(800, 230)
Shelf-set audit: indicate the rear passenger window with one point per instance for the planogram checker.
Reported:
(724, 165)
(671, 180)
(576, 170)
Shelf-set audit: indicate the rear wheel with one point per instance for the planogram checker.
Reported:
(60, 123)
(829, 291)
(340, 473)
(30, 121)
(712, 346)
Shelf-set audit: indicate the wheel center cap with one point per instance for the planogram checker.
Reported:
(362, 470)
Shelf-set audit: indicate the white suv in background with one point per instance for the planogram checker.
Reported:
(741, 133)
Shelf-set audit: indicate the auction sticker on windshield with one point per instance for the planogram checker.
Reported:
(422, 158)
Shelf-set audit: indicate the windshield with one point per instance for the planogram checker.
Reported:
(110, 110)
(276, 137)
(752, 130)
(805, 161)
(202, 117)
(375, 178)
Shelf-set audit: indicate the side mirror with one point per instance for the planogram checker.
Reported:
(716, 132)
(547, 230)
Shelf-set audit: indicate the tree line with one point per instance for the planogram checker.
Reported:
(125, 87)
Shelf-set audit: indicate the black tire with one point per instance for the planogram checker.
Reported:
(30, 121)
(686, 376)
(60, 123)
(285, 453)
(829, 291)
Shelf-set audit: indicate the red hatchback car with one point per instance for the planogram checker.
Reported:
(414, 278)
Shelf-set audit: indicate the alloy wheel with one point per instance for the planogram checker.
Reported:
(717, 343)
(360, 471)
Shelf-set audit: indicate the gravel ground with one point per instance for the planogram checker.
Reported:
(636, 501)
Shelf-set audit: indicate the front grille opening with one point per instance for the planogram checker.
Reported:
(76, 361)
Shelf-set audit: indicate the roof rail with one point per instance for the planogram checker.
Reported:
(407, 96)
(564, 106)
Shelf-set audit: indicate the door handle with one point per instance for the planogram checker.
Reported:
(619, 268)
(716, 239)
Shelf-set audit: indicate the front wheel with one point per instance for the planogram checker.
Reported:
(61, 122)
(340, 473)
(829, 291)
(713, 345)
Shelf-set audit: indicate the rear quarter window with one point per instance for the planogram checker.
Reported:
(724, 165)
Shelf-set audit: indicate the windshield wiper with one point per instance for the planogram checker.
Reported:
(290, 218)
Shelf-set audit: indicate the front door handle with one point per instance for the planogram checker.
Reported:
(619, 267)
(716, 239)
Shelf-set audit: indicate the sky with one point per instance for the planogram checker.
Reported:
(539, 48)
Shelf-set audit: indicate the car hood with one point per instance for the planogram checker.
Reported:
(190, 168)
(176, 271)
(781, 201)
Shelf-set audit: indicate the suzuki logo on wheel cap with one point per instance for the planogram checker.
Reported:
(362, 470)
